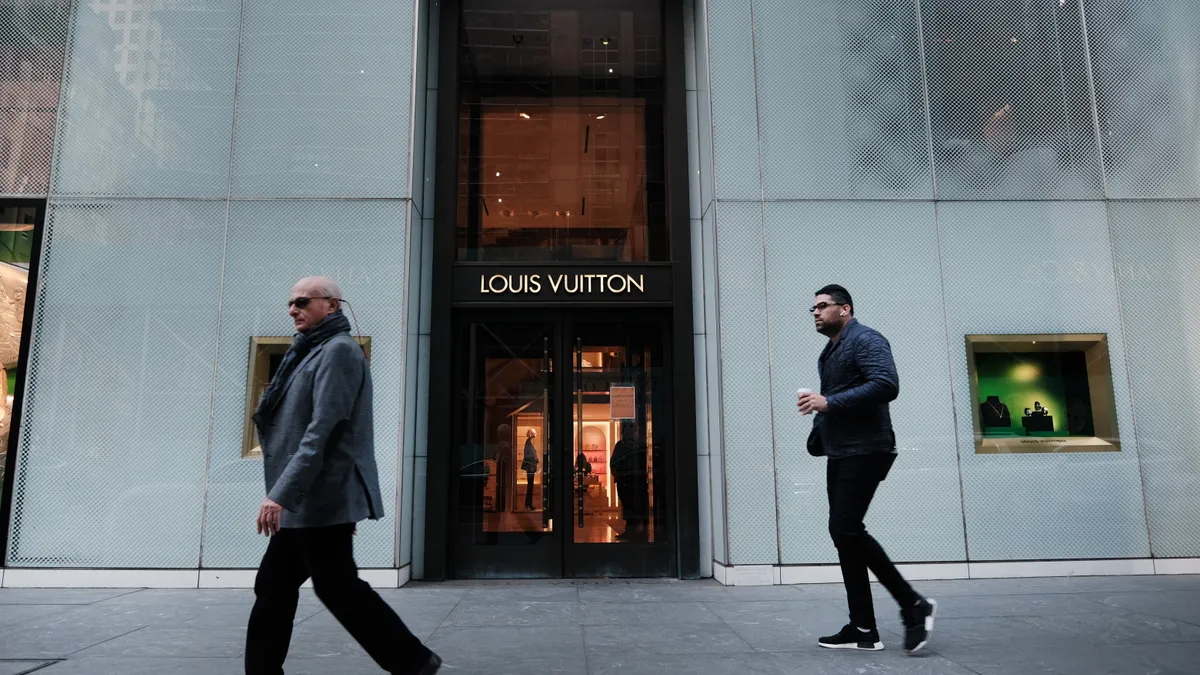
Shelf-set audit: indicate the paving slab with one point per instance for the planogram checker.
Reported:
(1058, 626)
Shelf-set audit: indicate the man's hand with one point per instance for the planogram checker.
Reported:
(812, 402)
(268, 517)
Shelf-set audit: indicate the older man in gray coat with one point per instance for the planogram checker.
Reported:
(315, 424)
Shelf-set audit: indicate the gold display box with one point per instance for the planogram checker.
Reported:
(1100, 411)
(266, 352)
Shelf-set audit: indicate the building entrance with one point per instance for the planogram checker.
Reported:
(563, 431)
(561, 426)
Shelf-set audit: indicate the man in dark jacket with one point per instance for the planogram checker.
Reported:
(315, 421)
(853, 428)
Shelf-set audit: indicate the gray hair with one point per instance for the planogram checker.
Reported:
(323, 285)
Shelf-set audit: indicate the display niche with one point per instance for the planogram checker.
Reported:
(266, 353)
(1042, 393)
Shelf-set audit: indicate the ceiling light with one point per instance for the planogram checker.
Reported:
(610, 70)
(604, 41)
(525, 115)
(599, 117)
(500, 200)
(497, 174)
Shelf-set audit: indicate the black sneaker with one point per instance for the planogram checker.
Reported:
(853, 638)
(918, 625)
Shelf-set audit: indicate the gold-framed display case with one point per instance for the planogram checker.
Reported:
(1042, 393)
(266, 353)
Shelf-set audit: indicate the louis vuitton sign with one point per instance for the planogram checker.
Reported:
(577, 283)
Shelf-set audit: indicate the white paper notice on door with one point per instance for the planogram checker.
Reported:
(622, 403)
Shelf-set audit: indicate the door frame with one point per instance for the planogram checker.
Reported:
(561, 556)
(686, 510)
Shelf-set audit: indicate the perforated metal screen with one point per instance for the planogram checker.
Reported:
(33, 41)
(130, 451)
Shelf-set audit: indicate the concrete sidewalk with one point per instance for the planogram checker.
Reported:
(1084, 626)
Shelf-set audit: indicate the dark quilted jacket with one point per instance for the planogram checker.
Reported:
(858, 379)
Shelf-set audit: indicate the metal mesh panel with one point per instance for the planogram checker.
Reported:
(33, 43)
(1010, 107)
(367, 263)
(1147, 91)
(1040, 267)
(149, 99)
(841, 100)
(900, 240)
(1157, 245)
(734, 116)
(115, 428)
(745, 382)
(324, 99)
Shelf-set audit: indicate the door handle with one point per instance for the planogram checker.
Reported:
(581, 471)
(548, 441)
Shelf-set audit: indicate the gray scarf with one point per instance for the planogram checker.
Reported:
(303, 343)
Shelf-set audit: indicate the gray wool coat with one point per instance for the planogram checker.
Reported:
(319, 441)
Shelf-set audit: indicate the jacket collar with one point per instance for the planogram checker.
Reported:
(850, 329)
(296, 371)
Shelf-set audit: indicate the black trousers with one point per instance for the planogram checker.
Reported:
(633, 489)
(851, 482)
(529, 489)
(327, 555)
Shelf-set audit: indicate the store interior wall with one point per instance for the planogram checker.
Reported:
(206, 157)
(851, 144)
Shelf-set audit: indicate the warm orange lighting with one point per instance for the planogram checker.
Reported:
(525, 115)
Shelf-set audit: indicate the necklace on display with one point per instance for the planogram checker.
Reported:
(999, 410)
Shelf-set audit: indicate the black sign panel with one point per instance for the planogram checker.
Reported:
(565, 284)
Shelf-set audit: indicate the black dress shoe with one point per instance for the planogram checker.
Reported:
(431, 666)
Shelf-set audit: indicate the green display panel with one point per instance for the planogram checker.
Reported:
(1041, 393)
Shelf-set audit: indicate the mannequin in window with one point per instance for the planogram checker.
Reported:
(529, 463)
(994, 413)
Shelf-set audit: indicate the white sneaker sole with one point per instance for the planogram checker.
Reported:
(928, 627)
(873, 648)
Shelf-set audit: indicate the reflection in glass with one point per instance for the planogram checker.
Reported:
(1010, 107)
(616, 489)
(560, 135)
(504, 472)
(32, 46)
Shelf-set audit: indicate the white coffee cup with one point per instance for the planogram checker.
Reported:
(801, 392)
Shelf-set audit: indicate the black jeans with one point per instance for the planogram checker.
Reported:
(327, 555)
(851, 482)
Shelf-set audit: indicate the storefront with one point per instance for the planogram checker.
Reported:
(581, 240)
(562, 295)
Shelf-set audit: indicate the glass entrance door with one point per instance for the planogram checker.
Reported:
(620, 423)
(562, 448)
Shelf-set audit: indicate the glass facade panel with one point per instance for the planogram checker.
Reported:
(33, 42)
(1009, 104)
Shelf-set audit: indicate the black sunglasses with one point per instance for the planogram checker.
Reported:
(302, 302)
